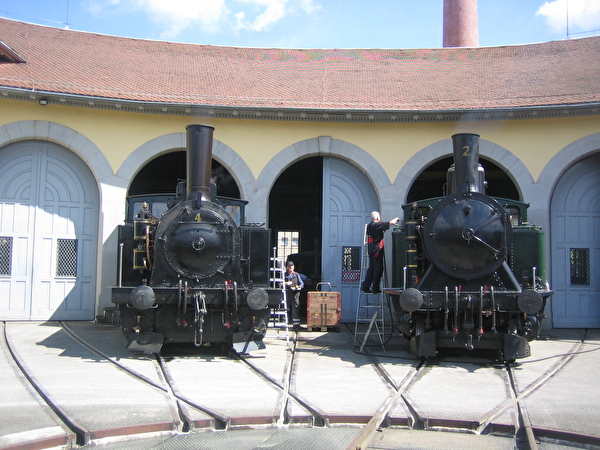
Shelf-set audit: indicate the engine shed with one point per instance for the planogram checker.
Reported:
(78, 142)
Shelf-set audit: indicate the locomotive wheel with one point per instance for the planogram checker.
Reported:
(531, 328)
(135, 325)
(419, 326)
(254, 324)
(405, 326)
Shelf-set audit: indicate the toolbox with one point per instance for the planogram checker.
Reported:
(323, 309)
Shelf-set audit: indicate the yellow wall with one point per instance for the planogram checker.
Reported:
(117, 134)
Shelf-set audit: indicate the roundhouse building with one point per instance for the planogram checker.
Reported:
(314, 140)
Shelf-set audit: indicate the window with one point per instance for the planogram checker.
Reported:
(288, 242)
(5, 256)
(157, 209)
(580, 266)
(66, 258)
(350, 264)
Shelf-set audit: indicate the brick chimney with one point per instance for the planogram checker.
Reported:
(460, 23)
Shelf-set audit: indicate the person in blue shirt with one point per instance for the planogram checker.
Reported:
(375, 232)
(293, 285)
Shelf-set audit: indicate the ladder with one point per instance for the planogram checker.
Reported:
(370, 308)
(279, 316)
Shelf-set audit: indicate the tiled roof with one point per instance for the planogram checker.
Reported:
(87, 64)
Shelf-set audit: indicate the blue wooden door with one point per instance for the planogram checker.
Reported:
(348, 199)
(575, 242)
(48, 234)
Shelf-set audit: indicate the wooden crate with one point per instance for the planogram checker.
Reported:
(323, 310)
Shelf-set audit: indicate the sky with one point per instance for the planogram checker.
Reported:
(310, 23)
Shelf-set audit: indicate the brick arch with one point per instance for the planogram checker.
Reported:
(541, 193)
(111, 200)
(320, 146)
(562, 161)
(503, 158)
(62, 135)
(224, 154)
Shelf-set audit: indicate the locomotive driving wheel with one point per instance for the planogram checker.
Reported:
(255, 325)
(250, 334)
(419, 326)
(136, 325)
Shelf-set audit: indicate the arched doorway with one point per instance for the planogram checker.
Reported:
(48, 233)
(432, 181)
(327, 201)
(160, 176)
(295, 208)
(575, 237)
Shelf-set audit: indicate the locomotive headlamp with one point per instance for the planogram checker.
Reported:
(411, 299)
(530, 301)
(143, 297)
(258, 299)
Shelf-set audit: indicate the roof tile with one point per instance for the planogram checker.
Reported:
(88, 64)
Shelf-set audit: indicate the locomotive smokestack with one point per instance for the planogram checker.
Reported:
(199, 158)
(468, 177)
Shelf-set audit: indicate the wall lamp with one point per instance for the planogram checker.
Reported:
(43, 101)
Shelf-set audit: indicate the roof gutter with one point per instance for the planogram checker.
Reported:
(303, 114)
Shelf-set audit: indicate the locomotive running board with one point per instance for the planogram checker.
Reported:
(147, 342)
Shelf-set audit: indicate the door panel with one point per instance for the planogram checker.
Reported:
(48, 197)
(575, 236)
(348, 199)
(18, 190)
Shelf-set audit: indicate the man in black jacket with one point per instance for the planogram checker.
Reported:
(293, 284)
(375, 232)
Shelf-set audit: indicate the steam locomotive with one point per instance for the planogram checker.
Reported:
(190, 269)
(470, 267)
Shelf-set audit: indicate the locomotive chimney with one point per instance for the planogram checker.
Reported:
(460, 23)
(468, 176)
(199, 158)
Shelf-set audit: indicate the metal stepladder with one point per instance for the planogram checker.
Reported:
(370, 308)
(279, 316)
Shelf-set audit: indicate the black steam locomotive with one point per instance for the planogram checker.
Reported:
(470, 267)
(190, 269)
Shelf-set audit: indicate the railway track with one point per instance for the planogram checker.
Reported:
(526, 435)
(316, 383)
